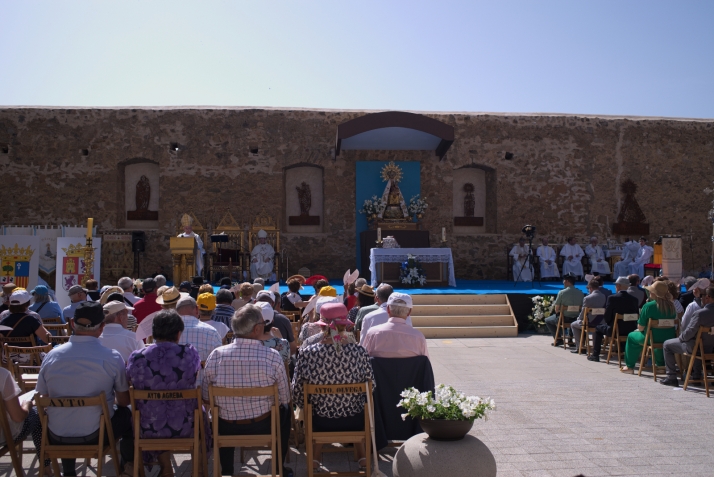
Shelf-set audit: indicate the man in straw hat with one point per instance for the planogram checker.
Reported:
(7, 289)
(187, 224)
(115, 335)
(261, 258)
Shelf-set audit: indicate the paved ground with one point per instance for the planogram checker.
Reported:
(558, 415)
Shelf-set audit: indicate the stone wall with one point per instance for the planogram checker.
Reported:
(63, 165)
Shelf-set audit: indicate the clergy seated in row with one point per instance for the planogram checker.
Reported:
(637, 266)
(547, 257)
(629, 254)
(261, 258)
(598, 260)
(572, 255)
(187, 224)
(522, 268)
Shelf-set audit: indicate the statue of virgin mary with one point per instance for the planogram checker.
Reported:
(393, 207)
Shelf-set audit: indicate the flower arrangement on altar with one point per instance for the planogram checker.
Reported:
(417, 206)
(543, 307)
(411, 273)
(371, 207)
(446, 403)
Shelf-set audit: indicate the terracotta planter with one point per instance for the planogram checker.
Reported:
(444, 429)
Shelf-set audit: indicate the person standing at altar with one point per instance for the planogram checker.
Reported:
(629, 253)
(520, 254)
(547, 256)
(643, 257)
(597, 257)
(573, 254)
(261, 258)
(187, 224)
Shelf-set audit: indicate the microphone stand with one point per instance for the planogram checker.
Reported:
(529, 263)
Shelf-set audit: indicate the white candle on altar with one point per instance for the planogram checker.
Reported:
(443, 234)
(379, 234)
(90, 223)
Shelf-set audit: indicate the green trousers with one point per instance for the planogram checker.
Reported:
(633, 350)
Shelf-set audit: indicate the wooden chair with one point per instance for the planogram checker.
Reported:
(264, 222)
(353, 437)
(58, 340)
(650, 345)
(271, 440)
(194, 445)
(52, 321)
(14, 341)
(61, 329)
(562, 325)
(89, 451)
(228, 338)
(616, 340)
(293, 316)
(699, 354)
(26, 374)
(296, 326)
(587, 331)
(15, 450)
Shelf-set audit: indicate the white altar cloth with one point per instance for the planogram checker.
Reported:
(399, 255)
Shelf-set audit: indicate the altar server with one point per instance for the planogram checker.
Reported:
(573, 254)
(520, 255)
(629, 253)
(597, 257)
(187, 224)
(261, 258)
(546, 255)
(642, 258)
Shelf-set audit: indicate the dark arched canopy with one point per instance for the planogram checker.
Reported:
(394, 130)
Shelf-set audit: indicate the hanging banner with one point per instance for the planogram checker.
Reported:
(19, 230)
(48, 247)
(19, 255)
(71, 267)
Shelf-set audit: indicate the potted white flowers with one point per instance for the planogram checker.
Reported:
(543, 307)
(446, 415)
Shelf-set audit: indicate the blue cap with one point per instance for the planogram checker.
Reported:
(40, 290)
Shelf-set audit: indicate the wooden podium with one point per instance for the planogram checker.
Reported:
(183, 253)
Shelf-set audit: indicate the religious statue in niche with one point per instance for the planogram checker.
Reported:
(468, 220)
(143, 196)
(393, 208)
(305, 200)
(631, 220)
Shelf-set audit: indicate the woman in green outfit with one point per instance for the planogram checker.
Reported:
(660, 307)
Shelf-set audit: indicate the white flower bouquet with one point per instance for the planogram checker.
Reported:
(543, 307)
(411, 273)
(417, 205)
(371, 206)
(446, 403)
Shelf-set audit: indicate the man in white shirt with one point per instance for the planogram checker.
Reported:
(380, 315)
(643, 257)
(203, 337)
(396, 338)
(546, 255)
(206, 304)
(520, 257)
(629, 252)
(597, 257)
(573, 254)
(115, 335)
(127, 285)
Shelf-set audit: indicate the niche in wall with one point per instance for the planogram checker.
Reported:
(304, 198)
(141, 194)
(474, 197)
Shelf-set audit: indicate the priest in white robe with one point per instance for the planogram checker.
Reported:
(643, 257)
(546, 256)
(261, 258)
(573, 254)
(629, 253)
(598, 261)
(520, 256)
(187, 224)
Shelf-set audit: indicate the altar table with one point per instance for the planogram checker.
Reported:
(398, 255)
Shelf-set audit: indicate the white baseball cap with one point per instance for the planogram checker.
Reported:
(267, 311)
(400, 299)
(19, 296)
(115, 307)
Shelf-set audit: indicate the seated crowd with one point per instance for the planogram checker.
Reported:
(235, 338)
(656, 313)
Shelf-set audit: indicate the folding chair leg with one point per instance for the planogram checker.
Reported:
(15, 451)
(56, 467)
(689, 371)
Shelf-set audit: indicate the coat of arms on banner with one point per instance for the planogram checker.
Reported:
(73, 268)
(16, 265)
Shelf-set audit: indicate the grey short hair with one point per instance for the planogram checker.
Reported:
(259, 281)
(126, 283)
(108, 319)
(160, 280)
(399, 311)
(185, 302)
(383, 292)
(360, 282)
(689, 282)
(245, 319)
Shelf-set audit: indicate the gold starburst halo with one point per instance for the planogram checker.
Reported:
(391, 171)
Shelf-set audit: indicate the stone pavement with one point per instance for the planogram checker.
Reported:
(557, 415)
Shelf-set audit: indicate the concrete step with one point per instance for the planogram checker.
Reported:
(461, 321)
(459, 299)
(460, 310)
(468, 331)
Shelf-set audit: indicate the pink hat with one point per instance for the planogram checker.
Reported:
(333, 313)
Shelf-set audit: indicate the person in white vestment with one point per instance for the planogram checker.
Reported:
(261, 258)
(598, 261)
(547, 256)
(642, 258)
(187, 224)
(520, 255)
(629, 253)
(573, 254)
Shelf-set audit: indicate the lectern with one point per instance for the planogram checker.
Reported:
(183, 252)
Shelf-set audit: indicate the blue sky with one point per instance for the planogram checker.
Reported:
(630, 57)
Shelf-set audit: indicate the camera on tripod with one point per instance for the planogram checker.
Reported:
(529, 231)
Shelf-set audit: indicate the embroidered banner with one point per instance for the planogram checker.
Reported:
(20, 260)
(70, 265)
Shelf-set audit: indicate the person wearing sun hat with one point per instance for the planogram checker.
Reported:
(327, 291)
(379, 316)
(334, 360)
(22, 322)
(660, 307)
(206, 306)
(366, 309)
(77, 295)
(115, 335)
(327, 322)
(365, 298)
(7, 289)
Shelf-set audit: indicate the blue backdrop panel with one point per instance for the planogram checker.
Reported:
(369, 183)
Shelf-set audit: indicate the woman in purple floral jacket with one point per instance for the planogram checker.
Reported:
(161, 366)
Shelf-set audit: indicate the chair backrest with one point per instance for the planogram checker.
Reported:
(59, 340)
(323, 389)
(62, 329)
(589, 313)
(52, 321)
(34, 352)
(292, 315)
(662, 324)
(9, 444)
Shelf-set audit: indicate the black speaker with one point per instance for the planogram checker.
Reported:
(138, 240)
